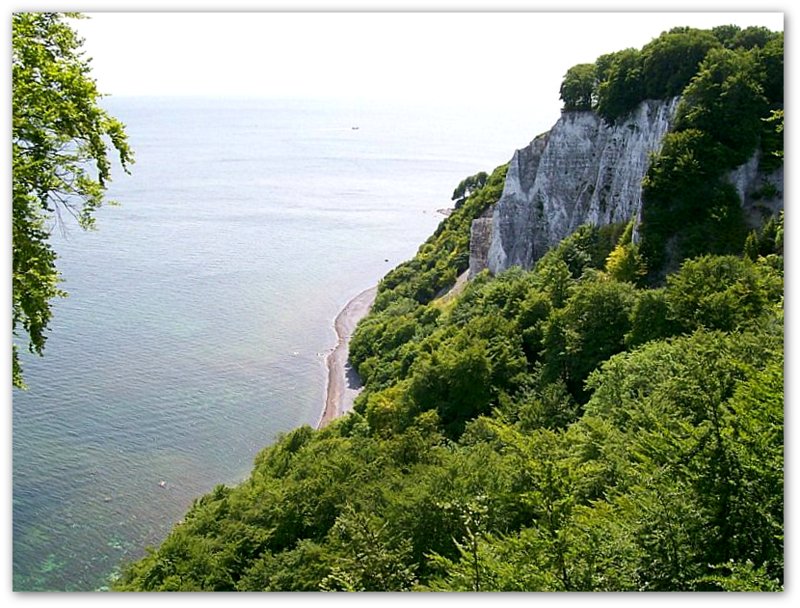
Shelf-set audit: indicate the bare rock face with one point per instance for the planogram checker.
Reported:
(480, 238)
(582, 171)
(761, 193)
(585, 171)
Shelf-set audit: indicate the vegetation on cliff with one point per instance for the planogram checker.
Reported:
(731, 82)
(555, 429)
(569, 427)
(548, 432)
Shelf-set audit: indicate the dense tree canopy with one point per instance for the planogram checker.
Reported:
(578, 87)
(617, 82)
(60, 161)
(545, 430)
(623, 89)
(469, 185)
(689, 206)
(670, 61)
(728, 90)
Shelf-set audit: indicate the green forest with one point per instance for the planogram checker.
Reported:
(609, 420)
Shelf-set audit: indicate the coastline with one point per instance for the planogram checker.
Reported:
(343, 383)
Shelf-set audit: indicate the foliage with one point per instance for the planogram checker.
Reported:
(767, 241)
(590, 328)
(578, 87)
(488, 463)
(617, 82)
(623, 89)
(469, 185)
(724, 293)
(670, 61)
(725, 76)
(772, 142)
(770, 61)
(689, 207)
(625, 263)
(60, 161)
(727, 90)
(398, 314)
(678, 403)
(368, 560)
(444, 255)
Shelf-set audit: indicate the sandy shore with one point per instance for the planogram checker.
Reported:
(343, 381)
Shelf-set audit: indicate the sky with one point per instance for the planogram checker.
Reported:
(507, 62)
(476, 57)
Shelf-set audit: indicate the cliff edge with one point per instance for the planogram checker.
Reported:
(587, 171)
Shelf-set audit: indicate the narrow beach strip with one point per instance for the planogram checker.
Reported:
(343, 381)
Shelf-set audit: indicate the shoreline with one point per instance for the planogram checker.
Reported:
(343, 383)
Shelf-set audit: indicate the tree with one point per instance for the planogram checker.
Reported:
(60, 160)
(469, 185)
(670, 61)
(588, 330)
(726, 34)
(578, 87)
(623, 89)
(626, 264)
(770, 59)
(723, 292)
(369, 559)
(728, 90)
(752, 37)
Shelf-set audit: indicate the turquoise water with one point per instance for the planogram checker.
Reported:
(200, 310)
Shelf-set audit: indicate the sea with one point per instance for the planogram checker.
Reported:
(201, 308)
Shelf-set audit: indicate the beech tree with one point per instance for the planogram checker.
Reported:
(60, 144)
(670, 61)
(624, 88)
(578, 87)
(728, 90)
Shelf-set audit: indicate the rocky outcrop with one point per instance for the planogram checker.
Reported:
(480, 238)
(582, 171)
(585, 171)
(761, 192)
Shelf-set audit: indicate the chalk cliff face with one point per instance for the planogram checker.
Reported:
(480, 238)
(585, 171)
(761, 193)
(581, 171)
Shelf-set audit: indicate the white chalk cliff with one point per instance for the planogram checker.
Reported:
(582, 171)
(585, 171)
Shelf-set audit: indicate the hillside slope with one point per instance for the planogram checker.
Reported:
(586, 423)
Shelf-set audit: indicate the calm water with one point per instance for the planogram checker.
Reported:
(200, 310)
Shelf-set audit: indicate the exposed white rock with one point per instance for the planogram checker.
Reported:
(743, 176)
(582, 171)
(761, 193)
(585, 171)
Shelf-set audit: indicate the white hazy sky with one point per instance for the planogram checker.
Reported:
(484, 57)
(511, 62)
